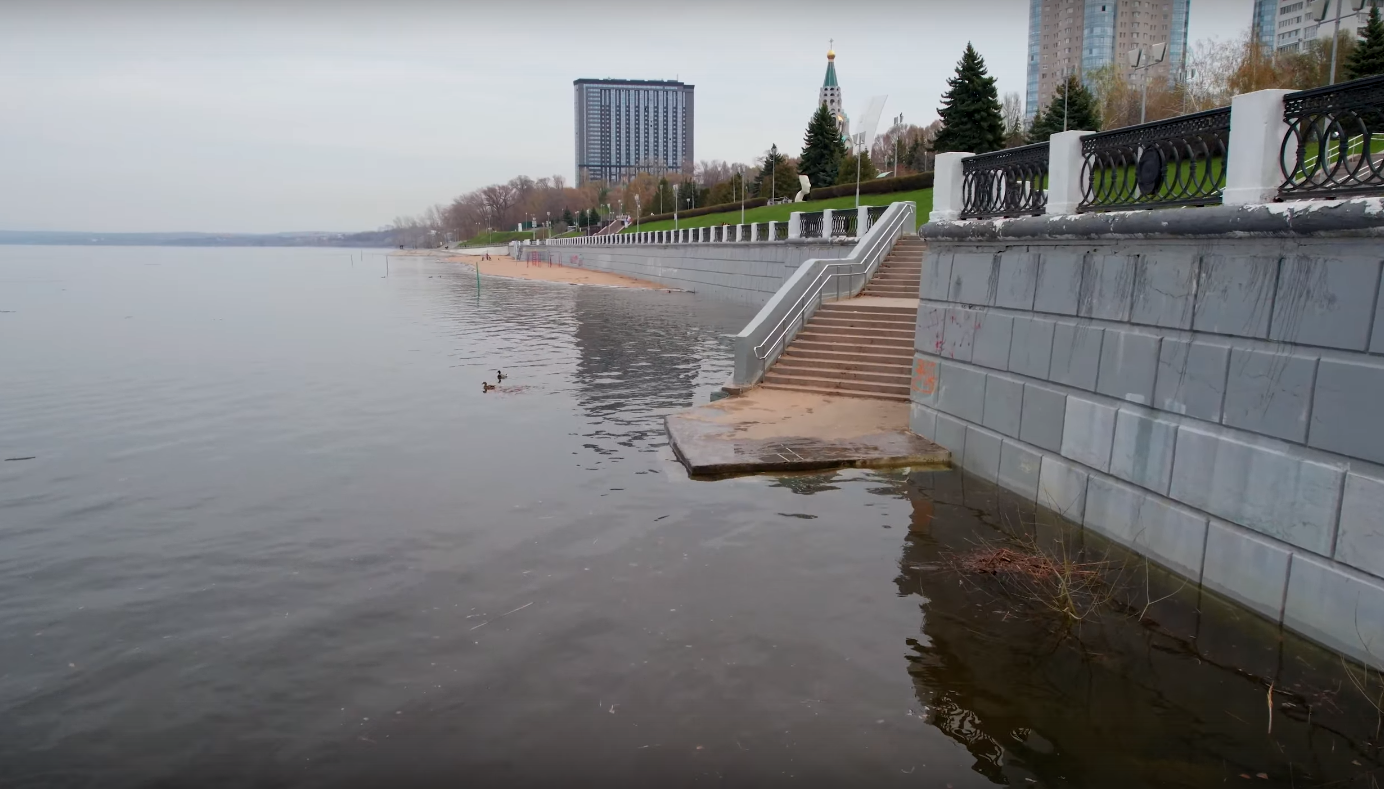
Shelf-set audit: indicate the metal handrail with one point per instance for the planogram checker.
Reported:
(799, 311)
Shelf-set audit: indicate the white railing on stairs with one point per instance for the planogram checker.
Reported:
(787, 312)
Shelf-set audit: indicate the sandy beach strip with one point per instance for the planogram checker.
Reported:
(505, 266)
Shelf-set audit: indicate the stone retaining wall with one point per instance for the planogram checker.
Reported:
(747, 273)
(1203, 385)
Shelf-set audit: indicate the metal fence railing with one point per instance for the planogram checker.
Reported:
(844, 224)
(811, 226)
(1176, 162)
(780, 231)
(1012, 182)
(1334, 146)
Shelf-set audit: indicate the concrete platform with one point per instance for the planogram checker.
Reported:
(776, 430)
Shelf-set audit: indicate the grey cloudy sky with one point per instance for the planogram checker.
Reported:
(265, 117)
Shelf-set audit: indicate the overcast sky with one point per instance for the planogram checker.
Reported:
(266, 117)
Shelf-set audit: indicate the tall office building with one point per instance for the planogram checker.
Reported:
(1288, 25)
(629, 126)
(1077, 37)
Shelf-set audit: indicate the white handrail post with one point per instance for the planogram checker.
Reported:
(946, 186)
(1257, 129)
(862, 221)
(795, 224)
(1064, 172)
(827, 215)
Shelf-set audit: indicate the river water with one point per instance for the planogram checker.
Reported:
(272, 532)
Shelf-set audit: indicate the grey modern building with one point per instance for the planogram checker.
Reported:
(1290, 25)
(629, 126)
(1079, 36)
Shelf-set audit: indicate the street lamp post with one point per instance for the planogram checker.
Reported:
(1138, 62)
(1355, 6)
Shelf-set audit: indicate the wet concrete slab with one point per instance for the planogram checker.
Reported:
(767, 430)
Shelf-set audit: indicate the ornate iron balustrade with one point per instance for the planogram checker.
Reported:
(780, 231)
(760, 231)
(1176, 162)
(718, 234)
(1012, 182)
(1334, 146)
(811, 225)
(843, 223)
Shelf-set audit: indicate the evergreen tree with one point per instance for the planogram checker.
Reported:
(822, 149)
(971, 119)
(846, 173)
(1079, 105)
(567, 217)
(1367, 59)
(778, 177)
(662, 201)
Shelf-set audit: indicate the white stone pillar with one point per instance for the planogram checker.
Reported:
(946, 186)
(1252, 173)
(862, 221)
(828, 215)
(1064, 172)
(795, 224)
(773, 231)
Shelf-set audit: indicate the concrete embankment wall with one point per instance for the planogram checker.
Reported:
(745, 273)
(1203, 385)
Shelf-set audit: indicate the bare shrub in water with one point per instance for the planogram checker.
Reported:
(1059, 579)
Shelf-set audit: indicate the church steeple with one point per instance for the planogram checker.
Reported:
(830, 94)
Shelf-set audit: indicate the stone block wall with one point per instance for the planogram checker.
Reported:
(746, 273)
(1213, 401)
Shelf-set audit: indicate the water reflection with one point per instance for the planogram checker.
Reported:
(1176, 693)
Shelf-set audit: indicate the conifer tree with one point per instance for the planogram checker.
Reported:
(778, 178)
(822, 149)
(971, 118)
(663, 200)
(1079, 106)
(846, 173)
(1367, 59)
(567, 217)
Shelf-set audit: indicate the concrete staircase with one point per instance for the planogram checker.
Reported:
(860, 347)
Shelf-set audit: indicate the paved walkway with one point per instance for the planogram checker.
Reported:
(776, 430)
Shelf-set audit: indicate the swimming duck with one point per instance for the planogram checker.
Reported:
(500, 376)
(486, 386)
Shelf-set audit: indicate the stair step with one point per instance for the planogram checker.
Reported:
(808, 335)
(901, 331)
(850, 357)
(897, 376)
(852, 306)
(838, 392)
(812, 346)
(835, 384)
(894, 365)
(887, 321)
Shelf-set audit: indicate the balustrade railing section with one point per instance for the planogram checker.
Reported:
(1011, 182)
(1334, 146)
(844, 223)
(1176, 162)
(811, 226)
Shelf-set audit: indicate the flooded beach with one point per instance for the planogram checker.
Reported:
(263, 526)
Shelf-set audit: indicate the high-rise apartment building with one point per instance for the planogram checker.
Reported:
(1288, 25)
(1076, 37)
(630, 126)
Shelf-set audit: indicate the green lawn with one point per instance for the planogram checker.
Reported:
(779, 213)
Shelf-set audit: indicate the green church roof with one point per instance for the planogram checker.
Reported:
(830, 81)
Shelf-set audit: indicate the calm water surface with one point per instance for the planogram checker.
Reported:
(273, 533)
